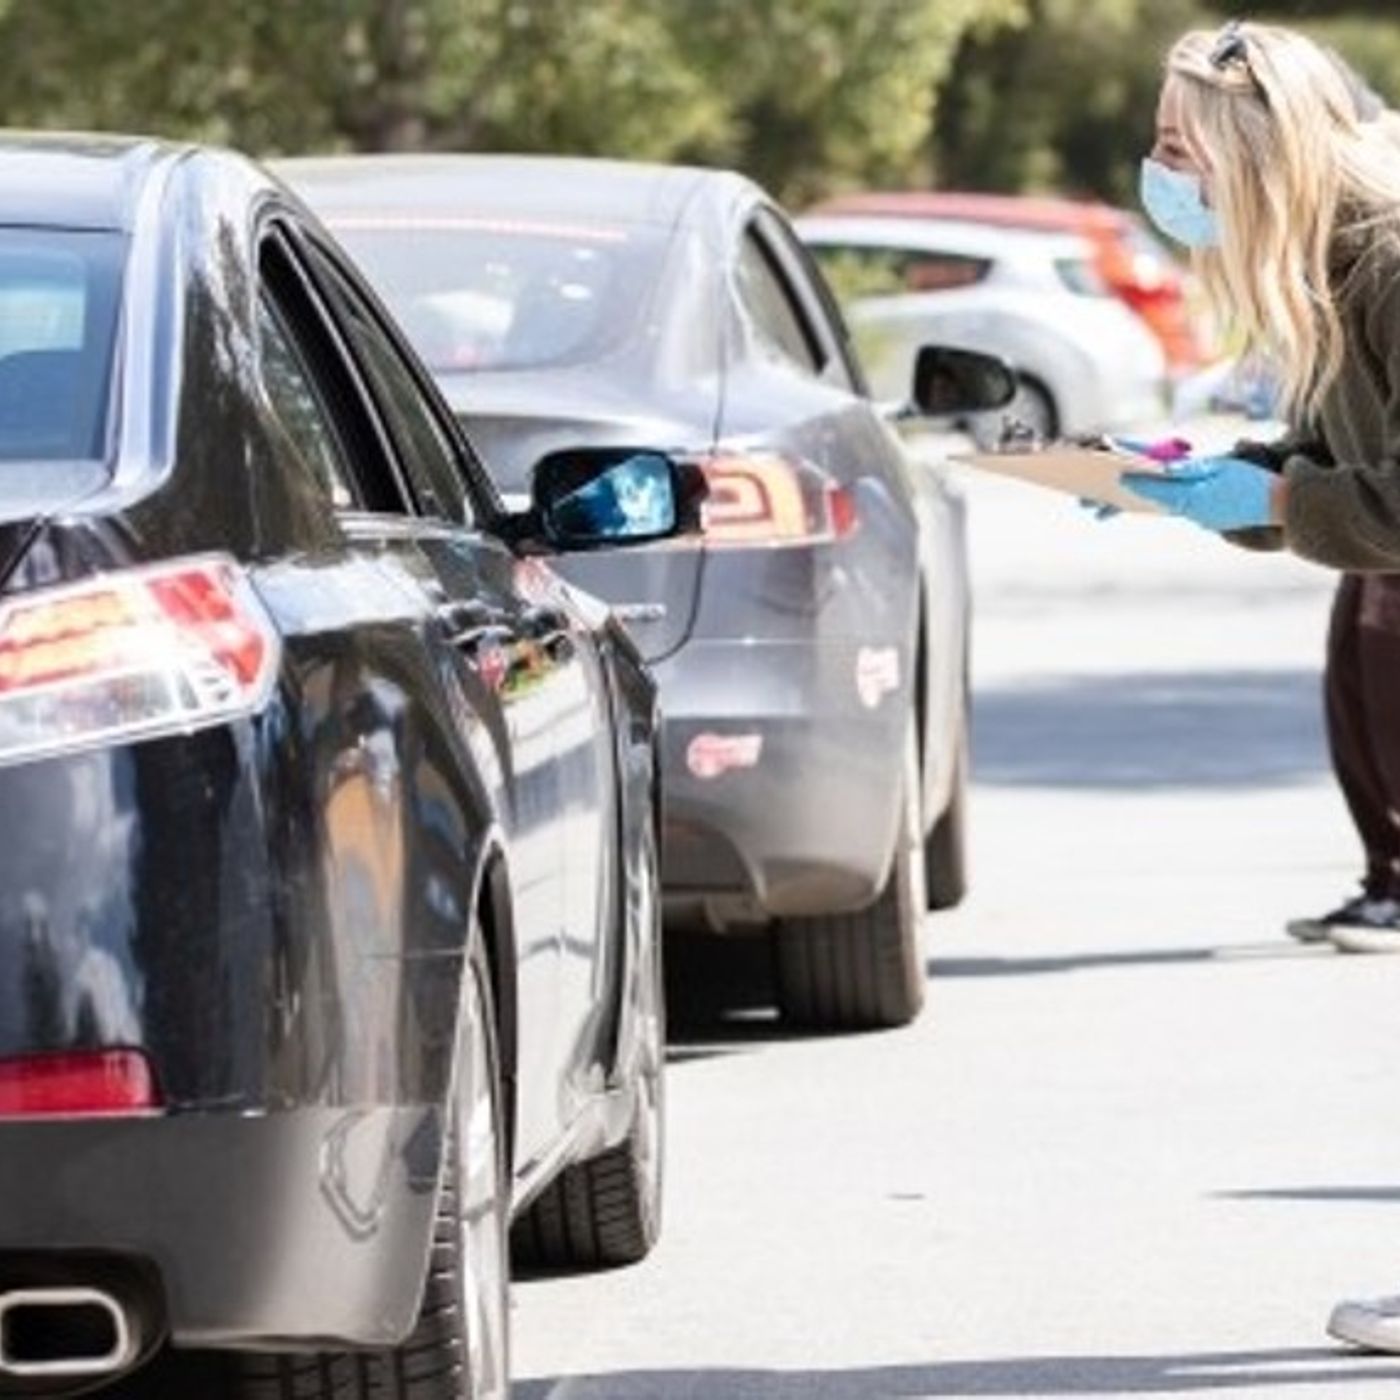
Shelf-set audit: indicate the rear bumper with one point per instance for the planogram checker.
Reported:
(296, 1228)
(804, 821)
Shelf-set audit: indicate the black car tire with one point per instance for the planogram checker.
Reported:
(441, 1359)
(606, 1211)
(945, 851)
(863, 971)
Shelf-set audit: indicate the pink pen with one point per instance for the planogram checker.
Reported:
(1173, 449)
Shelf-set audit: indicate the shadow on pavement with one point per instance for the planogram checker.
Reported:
(1144, 957)
(720, 995)
(1207, 729)
(1365, 1195)
(1267, 1372)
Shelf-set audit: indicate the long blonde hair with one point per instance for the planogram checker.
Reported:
(1292, 169)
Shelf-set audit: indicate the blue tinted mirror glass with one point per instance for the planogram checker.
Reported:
(634, 499)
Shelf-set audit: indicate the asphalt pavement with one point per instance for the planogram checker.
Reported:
(1139, 1142)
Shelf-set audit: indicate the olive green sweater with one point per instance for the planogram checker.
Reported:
(1343, 505)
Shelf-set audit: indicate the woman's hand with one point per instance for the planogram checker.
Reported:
(1218, 493)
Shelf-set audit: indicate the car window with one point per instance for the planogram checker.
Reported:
(359, 453)
(856, 270)
(299, 407)
(840, 366)
(424, 447)
(479, 293)
(1080, 276)
(59, 293)
(777, 319)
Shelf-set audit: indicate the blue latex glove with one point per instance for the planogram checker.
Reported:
(1219, 493)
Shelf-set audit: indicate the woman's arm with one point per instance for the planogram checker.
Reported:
(1346, 514)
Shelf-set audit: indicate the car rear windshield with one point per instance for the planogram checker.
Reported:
(488, 294)
(59, 292)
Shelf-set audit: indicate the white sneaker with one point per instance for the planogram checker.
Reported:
(1373, 1324)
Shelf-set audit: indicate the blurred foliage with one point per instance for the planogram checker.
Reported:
(805, 94)
(809, 96)
(1062, 100)
(283, 75)
(826, 94)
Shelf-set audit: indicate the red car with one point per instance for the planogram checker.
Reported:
(1130, 259)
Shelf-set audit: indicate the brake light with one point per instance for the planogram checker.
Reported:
(127, 655)
(89, 1082)
(763, 498)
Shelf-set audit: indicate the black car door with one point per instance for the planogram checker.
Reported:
(514, 623)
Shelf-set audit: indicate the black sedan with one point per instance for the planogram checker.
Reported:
(811, 646)
(328, 898)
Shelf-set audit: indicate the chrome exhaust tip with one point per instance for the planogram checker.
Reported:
(61, 1332)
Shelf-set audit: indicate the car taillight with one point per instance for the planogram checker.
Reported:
(85, 1082)
(763, 498)
(127, 655)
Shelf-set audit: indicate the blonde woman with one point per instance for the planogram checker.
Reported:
(1269, 165)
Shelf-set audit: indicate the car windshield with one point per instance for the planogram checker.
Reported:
(488, 294)
(59, 293)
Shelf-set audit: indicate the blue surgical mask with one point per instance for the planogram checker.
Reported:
(1174, 203)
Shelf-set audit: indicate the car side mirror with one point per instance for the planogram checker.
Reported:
(607, 497)
(948, 381)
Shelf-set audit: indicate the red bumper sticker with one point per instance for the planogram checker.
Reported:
(710, 755)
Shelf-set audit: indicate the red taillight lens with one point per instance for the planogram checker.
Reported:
(128, 655)
(761, 498)
(89, 1082)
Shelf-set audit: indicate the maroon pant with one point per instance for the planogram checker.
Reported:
(1363, 718)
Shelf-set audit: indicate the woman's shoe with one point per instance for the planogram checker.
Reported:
(1363, 914)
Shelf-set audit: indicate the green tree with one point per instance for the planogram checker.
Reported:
(825, 94)
(805, 94)
(1062, 99)
(273, 75)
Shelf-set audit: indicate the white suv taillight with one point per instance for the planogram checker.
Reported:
(764, 498)
(129, 655)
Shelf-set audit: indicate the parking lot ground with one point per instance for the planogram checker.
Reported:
(1139, 1142)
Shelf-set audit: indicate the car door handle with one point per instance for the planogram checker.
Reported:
(471, 624)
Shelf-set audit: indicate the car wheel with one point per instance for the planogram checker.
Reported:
(863, 971)
(945, 851)
(459, 1348)
(606, 1211)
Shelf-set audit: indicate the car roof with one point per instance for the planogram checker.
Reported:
(546, 187)
(75, 180)
(1046, 212)
(943, 236)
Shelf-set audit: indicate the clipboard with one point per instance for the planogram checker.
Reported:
(1089, 473)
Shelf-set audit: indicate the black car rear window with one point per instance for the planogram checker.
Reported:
(59, 293)
(481, 293)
